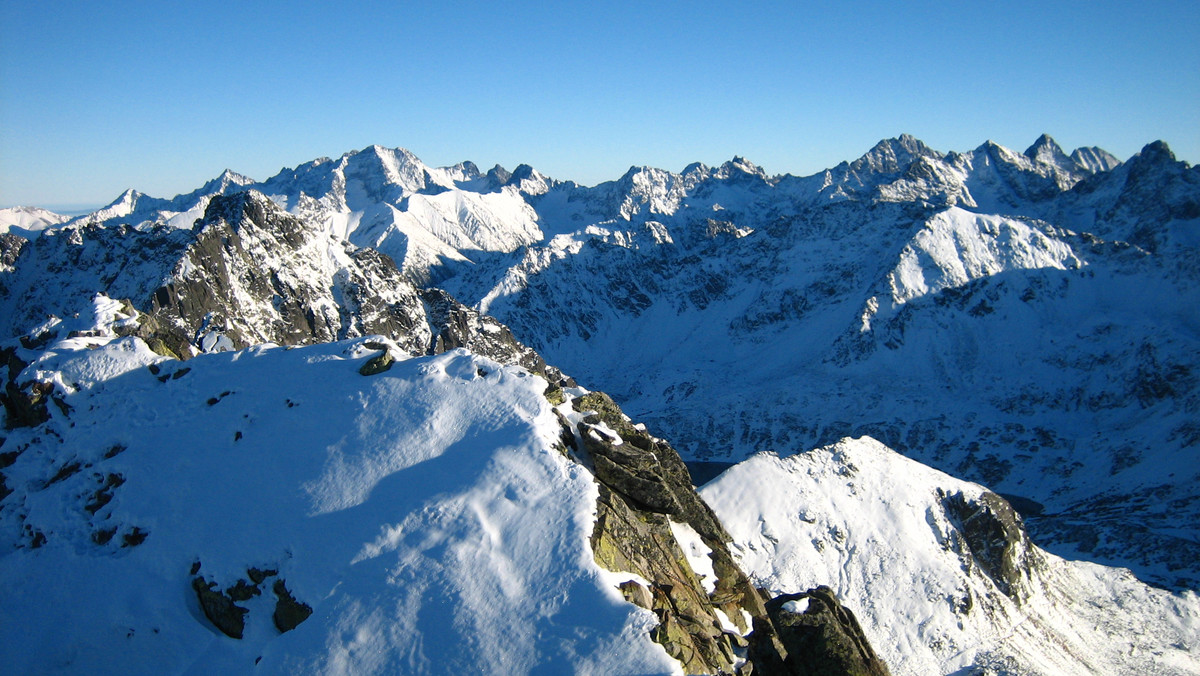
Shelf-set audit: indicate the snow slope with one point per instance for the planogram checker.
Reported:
(422, 514)
(879, 529)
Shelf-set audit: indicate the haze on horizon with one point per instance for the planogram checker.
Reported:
(95, 99)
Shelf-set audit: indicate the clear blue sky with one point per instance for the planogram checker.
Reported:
(97, 97)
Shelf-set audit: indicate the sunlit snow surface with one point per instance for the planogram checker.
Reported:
(423, 513)
(869, 523)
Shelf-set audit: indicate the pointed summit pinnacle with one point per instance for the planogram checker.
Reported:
(1045, 149)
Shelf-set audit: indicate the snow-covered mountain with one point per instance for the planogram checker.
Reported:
(381, 198)
(968, 309)
(416, 521)
(941, 572)
(28, 221)
(1019, 320)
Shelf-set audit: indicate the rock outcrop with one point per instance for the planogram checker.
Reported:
(996, 540)
(812, 634)
(711, 617)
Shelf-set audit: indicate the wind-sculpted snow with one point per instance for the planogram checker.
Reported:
(418, 521)
(903, 546)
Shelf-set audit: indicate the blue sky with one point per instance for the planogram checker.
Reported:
(99, 97)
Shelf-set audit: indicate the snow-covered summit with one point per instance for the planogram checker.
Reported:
(433, 220)
(941, 571)
(418, 520)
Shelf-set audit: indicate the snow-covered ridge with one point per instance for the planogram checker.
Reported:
(956, 247)
(884, 533)
(418, 520)
(427, 515)
(424, 217)
(968, 308)
(27, 221)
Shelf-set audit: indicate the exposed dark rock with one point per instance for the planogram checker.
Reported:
(456, 325)
(646, 470)
(23, 409)
(134, 537)
(554, 395)
(14, 364)
(104, 494)
(643, 487)
(104, 535)
(288, 611)
(66, 471)
(10, 248)
(257, 575)
(162, 338)
(220, 609)
(823, 640)
(997, 540)
(243, 591)
(637, 594)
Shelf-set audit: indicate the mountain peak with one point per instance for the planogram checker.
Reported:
(740, 166)
(1094, 160)
(1157, 151)
(225, 181)
(1045, 149)
(892, 155)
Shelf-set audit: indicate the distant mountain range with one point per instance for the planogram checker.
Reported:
(1019, 320)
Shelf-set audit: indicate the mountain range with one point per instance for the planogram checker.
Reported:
(865, 341)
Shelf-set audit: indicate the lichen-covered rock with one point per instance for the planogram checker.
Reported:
(377, 364)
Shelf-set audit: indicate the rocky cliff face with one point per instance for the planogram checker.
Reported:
(651, 522)
(255, 274)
